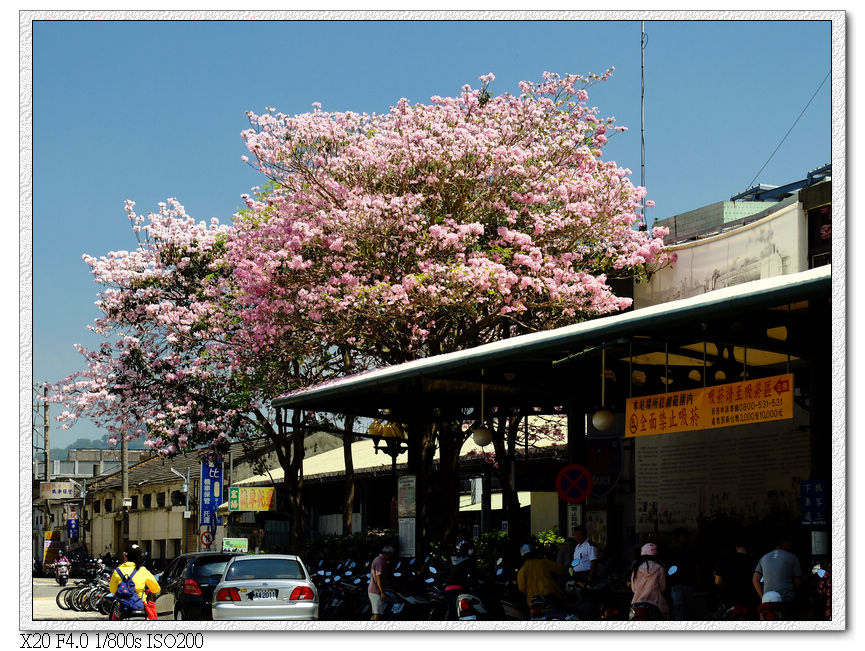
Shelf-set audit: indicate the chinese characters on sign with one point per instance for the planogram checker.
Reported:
(241, 498)
(815, 504)
(211, 492)
(406, 489)
(57, 490)
(725, 405)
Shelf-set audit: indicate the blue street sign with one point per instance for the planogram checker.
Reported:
(72, 528)
(210, 495)
(815, 502)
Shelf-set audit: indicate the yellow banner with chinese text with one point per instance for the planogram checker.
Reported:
(725, 405)
(242, 498)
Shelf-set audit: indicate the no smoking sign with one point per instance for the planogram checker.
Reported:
(574, 484)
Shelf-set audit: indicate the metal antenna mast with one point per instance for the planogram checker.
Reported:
(643, 117)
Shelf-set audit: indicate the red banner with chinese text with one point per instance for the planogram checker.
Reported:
(724, 405)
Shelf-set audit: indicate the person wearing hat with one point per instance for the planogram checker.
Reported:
(538, 576)
(649, 580)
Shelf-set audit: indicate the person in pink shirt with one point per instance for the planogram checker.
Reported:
(377, 580)
(649, 580)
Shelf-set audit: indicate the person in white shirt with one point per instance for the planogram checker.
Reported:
(585, 560)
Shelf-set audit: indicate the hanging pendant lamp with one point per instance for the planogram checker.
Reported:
(482, 435)
(603, 419)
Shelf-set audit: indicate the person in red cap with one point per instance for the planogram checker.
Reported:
(649, 580)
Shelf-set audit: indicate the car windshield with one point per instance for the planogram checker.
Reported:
(203, 570)
(264, 568)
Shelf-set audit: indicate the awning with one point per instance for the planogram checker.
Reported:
(527, 371)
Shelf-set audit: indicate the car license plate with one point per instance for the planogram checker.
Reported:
(264, 594)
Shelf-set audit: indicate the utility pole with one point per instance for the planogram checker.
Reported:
(47, 437)
(125, 500)
(184, 543)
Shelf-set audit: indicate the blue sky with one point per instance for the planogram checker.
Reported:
(151, 110)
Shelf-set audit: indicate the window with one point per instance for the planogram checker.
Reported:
(173, 568)
(264, 568)
(96, 506)
(160, 499)
(204, 568)
(108, 506)
(146, 500)
(135, 501)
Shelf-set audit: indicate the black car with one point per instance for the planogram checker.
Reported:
(187, 585)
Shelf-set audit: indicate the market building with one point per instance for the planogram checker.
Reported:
(717, 387)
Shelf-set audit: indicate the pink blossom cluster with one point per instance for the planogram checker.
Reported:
(376, 239)
(163, 370)
(437, 226)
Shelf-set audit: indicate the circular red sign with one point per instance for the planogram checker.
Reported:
(574, 483)
(206, 538)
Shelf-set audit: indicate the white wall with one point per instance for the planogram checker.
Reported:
(773, 246)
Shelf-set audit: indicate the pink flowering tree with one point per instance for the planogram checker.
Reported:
(174, 367)
(437, 227)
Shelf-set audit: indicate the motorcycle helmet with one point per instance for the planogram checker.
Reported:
(525, 550)
(771, 597)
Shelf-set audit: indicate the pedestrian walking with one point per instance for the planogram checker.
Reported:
(378, 575)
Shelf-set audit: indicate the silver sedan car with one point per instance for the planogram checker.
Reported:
(265, 586)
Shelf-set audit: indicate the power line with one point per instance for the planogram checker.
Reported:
(789, 130)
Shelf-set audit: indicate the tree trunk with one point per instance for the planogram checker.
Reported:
(450, 442)
(423, 448)
(347, 440)
(348, 503)
(505, 448)
(290, 452)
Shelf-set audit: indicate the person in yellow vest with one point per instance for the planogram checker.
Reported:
(133, 558)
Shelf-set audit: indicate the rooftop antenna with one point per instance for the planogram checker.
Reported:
(643, 41)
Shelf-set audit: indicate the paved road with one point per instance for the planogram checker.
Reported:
(45, 606)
